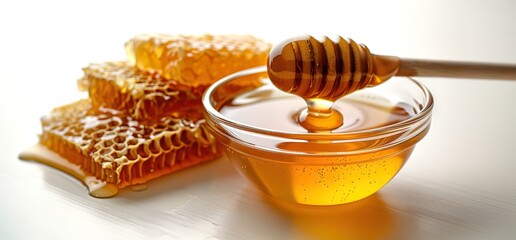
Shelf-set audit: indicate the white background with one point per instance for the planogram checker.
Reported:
(459, 183)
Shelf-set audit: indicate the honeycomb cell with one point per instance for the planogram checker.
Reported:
(196, 60)
(140, 94)
(121, 151)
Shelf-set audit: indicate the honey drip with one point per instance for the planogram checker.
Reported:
(319, 116)
(96, 187)
(324, 71)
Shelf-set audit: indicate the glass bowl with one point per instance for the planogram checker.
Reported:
(316, 168)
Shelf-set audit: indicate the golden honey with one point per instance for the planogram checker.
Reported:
(266, 143)
(340, 178)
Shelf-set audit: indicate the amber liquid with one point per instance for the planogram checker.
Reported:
(317, 172)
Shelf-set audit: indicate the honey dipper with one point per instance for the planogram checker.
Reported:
(329, 69)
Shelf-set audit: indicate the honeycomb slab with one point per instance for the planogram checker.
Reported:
(140, 94)
(121, 151)
(196, 60)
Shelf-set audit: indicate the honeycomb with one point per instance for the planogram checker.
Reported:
(120, 150)
(141, 94)
(144, 118)
(196, 60)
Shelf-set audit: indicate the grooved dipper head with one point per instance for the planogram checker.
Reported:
(326, 69)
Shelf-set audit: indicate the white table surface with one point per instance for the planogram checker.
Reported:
(460, 183)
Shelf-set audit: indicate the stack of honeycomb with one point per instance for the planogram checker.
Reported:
(143, 117)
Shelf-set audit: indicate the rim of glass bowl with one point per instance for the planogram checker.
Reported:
(366, 134)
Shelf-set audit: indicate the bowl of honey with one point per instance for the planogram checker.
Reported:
(259, 129)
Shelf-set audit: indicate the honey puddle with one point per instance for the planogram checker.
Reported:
(96, 187)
